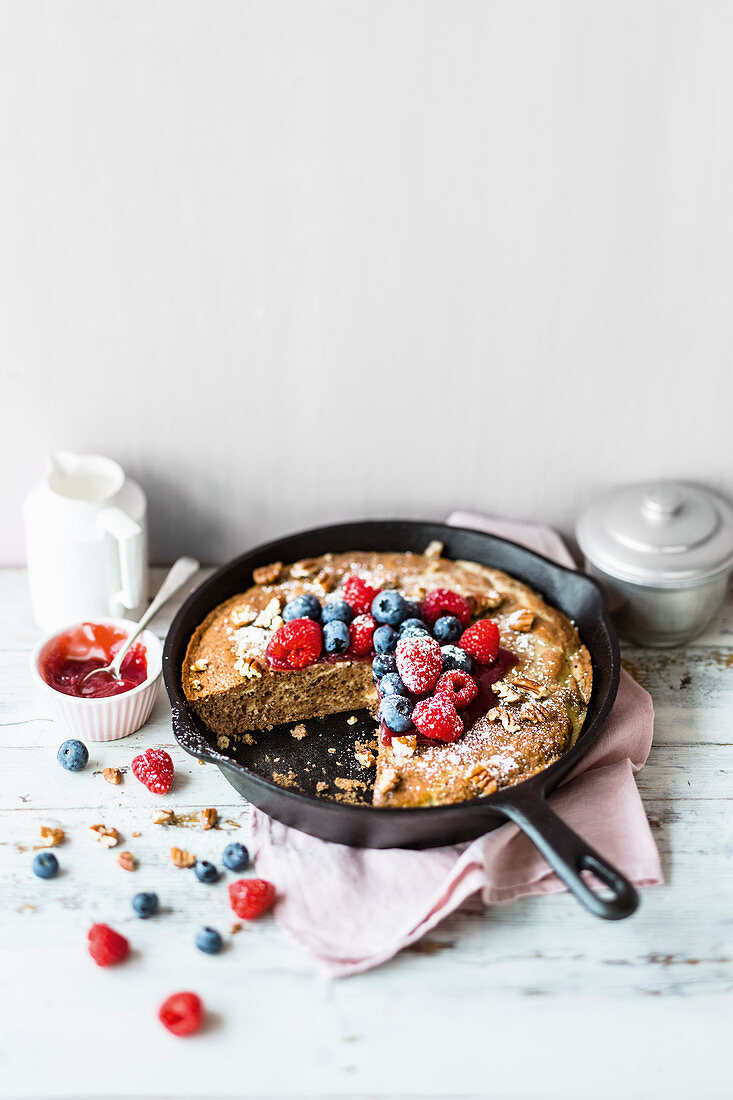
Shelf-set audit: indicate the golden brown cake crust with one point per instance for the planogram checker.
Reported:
(540, 706)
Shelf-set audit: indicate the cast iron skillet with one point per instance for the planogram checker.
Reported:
(304, 763)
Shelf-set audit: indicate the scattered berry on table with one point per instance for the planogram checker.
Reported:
(391, 684)
(482, 641)
(447, 629)
(441, 601)
(411, 627)
(145, 904)
(73, 755)
(182, 1013)
(336, 637)
(205, 871)
(385, 639)
(460, 688)
(306, 606)
(359, 594)
(389, 607)
(455, 657)
(382, 665)
(362, 631)
(154, 769)
(395, 711)
(106, 946)
(45, 865)
(251, 897)
(437, 718)
(209, 941)
(337, 610)
(419, 662)
(296, 644)
(235, 857)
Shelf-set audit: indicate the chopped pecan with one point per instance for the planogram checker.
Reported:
(165, 817)
(535, 712)
(501, 714)
(127, 861)
(532, 687)
(182, 858)
(404, 747)
(305, 568)
(506, 691)
(326, 580)
(267, 574)
(53, 837)
(521, 620)
(112, 775)
(208, 818)
(106, 836)
(482, 779)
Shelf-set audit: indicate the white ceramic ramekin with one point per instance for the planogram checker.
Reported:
(115, 716)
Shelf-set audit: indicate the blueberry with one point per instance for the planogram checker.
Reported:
(411, 627)
(303, 607)
(396, 713)
(391, 684)
(145, 905)
(209, 941)
(337, 610)
(336, 637)
(413, 610)
(389, 607)
(73, 755)
(236, 857)
(447, 629)
(455, 657)
(383, 664)
(45, 865)
(384, 639)
(205, 871)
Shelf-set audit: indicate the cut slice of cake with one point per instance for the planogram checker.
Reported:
(481, 682)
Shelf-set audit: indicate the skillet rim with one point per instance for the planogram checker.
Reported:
(533, 786)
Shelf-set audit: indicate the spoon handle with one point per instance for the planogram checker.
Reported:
(180, 572)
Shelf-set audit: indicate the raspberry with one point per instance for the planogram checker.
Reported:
(154, 769)
(106, 946)
(437, 718)
(457, 686)
(482, 641)
(251, 897)
(441, 601)
(359, 595)
(361, 632)
(296, 644)
(419, 662)
(182, 1013)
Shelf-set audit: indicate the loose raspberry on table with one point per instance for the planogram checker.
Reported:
(441, 601)
(419, 662)
(182, 1013)
(154, 769)
(437, 719)
(106, 946)
(361, 632)
(458, 686)
(251, 897)
(296, 644)
(359, 595)
(482, 641)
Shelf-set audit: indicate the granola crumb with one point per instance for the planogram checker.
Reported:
(112, 775)
(135, 834)
(299, 732)
(234, 929)
(352, 721)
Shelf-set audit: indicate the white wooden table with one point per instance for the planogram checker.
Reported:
(531, 999)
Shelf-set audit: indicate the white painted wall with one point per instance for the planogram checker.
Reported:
(294, 260)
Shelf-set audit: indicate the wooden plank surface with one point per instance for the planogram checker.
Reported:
(483, 1006)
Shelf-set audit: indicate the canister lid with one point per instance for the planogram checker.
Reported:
(665, 533)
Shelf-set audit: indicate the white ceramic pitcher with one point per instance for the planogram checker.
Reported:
(86, 542)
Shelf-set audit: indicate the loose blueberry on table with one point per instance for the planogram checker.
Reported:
(145, 904)
(235, 857)
(73, 755)
(45, 865)
(209, 941)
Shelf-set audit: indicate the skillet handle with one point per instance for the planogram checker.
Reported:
(568, 855)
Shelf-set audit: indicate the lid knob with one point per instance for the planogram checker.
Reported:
(662, 503)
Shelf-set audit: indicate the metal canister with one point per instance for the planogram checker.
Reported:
(663, 552)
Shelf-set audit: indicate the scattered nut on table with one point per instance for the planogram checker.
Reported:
(106, 835)
(182, 858)
(127, 861)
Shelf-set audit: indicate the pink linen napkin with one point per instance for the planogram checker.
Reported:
(355, 908)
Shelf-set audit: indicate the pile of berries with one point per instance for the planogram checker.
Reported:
(423, 654)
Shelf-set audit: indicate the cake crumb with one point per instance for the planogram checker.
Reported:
(352, 721)
(234, 929)
(299, 732)
(287, 779)
(332, 750)
(321, 786)
(364, 755)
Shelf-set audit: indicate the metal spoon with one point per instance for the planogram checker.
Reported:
(180, 572)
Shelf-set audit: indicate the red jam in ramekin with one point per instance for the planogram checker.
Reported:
(67, 658)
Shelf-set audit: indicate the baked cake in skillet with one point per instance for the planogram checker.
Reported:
(474, 681)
